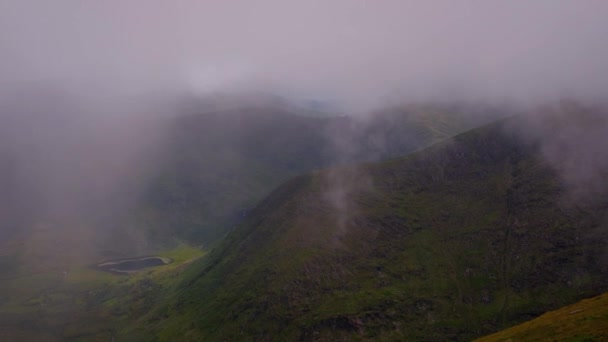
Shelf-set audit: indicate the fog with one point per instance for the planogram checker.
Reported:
(67, 160)
(132, 128)
(571, 137)
(356, 53)
(85, 85)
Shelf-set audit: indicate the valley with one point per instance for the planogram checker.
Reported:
(454, 241)
(305, 170)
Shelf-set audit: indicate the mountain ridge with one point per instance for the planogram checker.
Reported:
(409, 262)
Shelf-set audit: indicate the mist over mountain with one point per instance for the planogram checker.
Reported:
(300, 170)
(452, 242)
(190, 167)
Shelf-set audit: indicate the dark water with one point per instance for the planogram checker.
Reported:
(130, 265)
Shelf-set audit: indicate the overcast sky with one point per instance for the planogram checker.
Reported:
(352, 51)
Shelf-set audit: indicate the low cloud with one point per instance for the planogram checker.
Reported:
(357, 53)
(571, 138)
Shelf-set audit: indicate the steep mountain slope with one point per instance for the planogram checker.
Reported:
(586, 320)
(451, 243)
(219, 164)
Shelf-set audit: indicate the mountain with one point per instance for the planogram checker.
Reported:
(218, 164)
(141, 177)
(79, 189)
(462, 239)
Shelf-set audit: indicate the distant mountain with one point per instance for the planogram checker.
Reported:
(450, 243)
(218, 164)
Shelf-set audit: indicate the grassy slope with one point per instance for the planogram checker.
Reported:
(38, 301)
(81, 304)
(451, 243)
(586, 320)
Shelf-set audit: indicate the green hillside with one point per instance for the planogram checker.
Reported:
(586, 320)
(454, 242)
(215, 167)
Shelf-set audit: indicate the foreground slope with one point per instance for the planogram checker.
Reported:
(586, 320)
(451, 243)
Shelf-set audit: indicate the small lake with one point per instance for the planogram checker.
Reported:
(132, 265)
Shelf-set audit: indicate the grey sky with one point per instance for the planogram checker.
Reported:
(355, 51)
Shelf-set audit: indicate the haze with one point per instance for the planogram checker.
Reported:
(314, 169)
(79, 77)
(353, 53)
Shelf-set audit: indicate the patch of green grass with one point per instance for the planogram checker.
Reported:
(586, 320)
(83, 303)
(182, 253)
